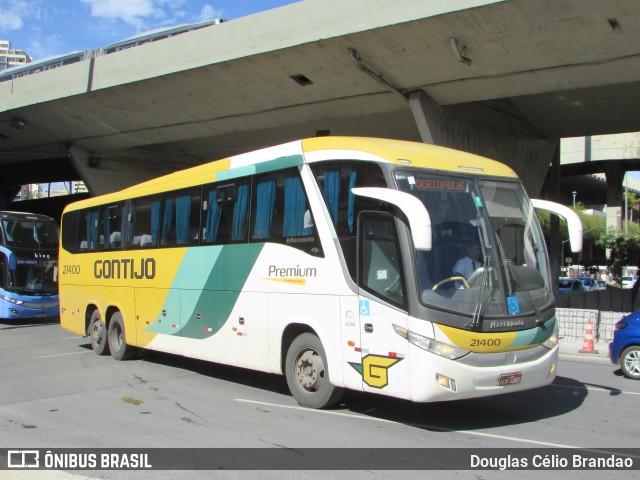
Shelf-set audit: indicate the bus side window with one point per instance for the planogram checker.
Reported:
(224, 213)
(88, 231)
(70, 233)
(143, 223)
(265, 209)
(298, 221)
(336, 181)
(180, 217)
(111, 220)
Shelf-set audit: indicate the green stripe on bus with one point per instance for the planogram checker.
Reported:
(217, 276)
(535, 336)
(262, 167)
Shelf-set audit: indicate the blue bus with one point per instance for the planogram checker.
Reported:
(28, 266)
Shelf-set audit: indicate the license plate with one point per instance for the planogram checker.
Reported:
(509, 379)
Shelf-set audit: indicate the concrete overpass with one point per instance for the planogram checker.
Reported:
(504, 79)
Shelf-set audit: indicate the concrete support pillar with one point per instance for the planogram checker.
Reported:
(425, 112)
(556, 255)
(615, 177)
(80, 158)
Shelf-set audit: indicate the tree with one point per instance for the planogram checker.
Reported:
(624, 252)
(633, 203)
(594, 227)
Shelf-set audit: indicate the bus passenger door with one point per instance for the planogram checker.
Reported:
(382, 305)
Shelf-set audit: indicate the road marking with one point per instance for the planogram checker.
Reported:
(71, 338)
(430, 427)
(63, 354)
(597, 389)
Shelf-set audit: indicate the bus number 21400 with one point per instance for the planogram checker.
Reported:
(71, 269)
(485, 342)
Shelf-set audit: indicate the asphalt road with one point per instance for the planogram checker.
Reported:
(56, 393)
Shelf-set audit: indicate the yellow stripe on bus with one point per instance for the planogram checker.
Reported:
(482, 342)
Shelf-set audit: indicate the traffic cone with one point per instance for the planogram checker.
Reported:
(587, 346)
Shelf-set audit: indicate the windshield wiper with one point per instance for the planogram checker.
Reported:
(484, 282)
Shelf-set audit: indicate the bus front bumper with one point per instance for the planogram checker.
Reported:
(434, 378)
(17, 307)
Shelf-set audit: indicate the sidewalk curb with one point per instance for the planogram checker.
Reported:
(572, 350)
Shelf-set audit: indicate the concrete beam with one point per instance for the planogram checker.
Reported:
(490, 132)
(104, 175)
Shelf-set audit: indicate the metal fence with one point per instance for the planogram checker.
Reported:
(609, 300)
(573, 323)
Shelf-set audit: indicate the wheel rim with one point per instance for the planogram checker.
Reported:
(117, 336)
(310, 370)
(97, 333)
(632, 362)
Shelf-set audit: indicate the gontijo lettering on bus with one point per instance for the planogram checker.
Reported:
(125, 268)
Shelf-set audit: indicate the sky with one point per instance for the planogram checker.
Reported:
(43, 28)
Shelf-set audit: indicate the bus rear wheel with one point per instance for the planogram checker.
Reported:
(98, 334)
(307, 373)
(117, 339)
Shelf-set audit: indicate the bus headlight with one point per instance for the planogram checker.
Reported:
(11, 300)
(552, 341)
(431, 345)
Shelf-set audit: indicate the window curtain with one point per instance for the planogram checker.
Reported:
(265, 202)
(167, 222)
(123, 226)
(352, 202)
(131, 223)
(240, 212)
(92, 230)
(295, 206)
(107, 231)
(183, 215)
(332, 193)
(155, 222)
(213, 219)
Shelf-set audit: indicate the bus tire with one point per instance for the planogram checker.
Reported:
(307, 373)
(98, 334)
(117, 339)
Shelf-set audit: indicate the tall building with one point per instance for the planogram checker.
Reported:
(10, 57)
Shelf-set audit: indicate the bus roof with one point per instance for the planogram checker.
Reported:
(25, 216)
(409, 154)
(413, 154)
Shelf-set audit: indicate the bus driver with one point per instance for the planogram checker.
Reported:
(468, 264)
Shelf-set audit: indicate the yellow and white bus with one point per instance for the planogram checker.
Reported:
(329, 260)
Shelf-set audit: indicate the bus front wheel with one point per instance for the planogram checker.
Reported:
(117, 339)
(98, 334)
(307, 373)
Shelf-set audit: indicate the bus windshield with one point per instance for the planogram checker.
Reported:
(33, 234)
(34, 244)
(488, 257)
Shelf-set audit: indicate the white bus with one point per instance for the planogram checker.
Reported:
(329, 260)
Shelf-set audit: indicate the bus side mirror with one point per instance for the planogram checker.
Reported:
(412, 207)
(11, 258)
(574, 225)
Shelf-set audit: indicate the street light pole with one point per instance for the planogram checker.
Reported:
(574, 198)
(626, 207)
